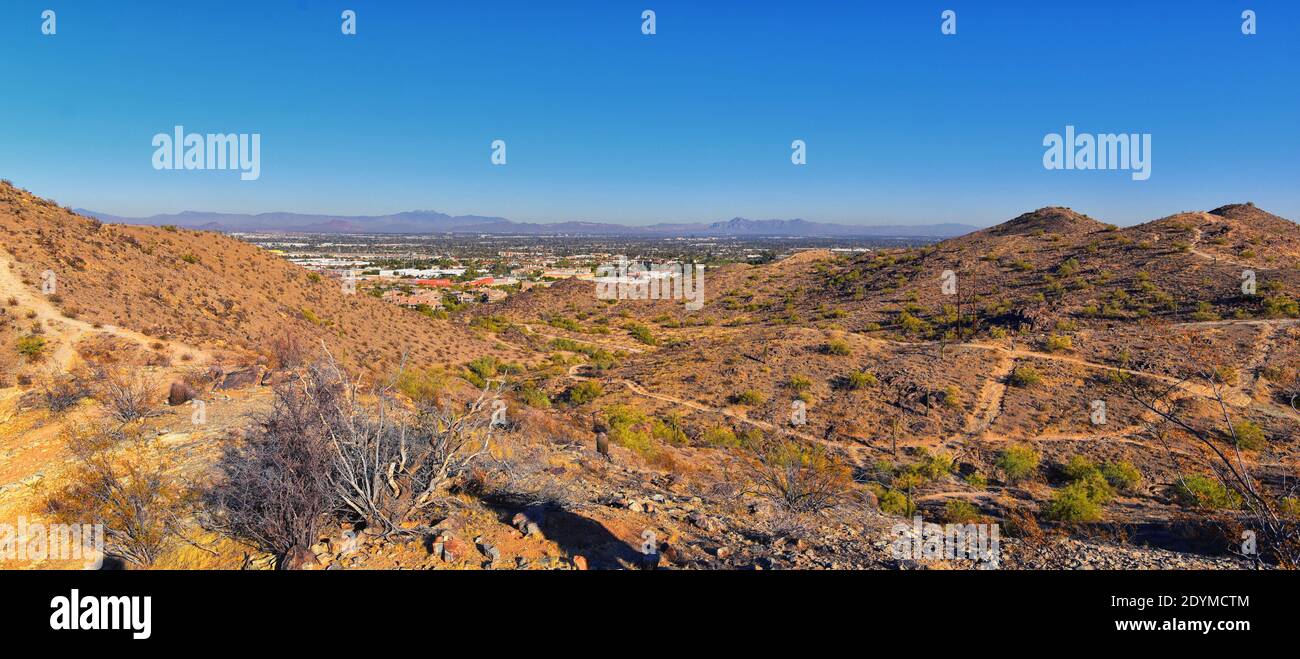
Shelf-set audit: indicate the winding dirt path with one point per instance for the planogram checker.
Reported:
(68, 332)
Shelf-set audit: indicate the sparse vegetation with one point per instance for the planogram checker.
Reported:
(838, 347)
(121, 482)
(800, 478)
(1200, 491)
(642, 333)
(584, 392)
(32, 347)
(1024, 376)
(1017, 462)
(958, 511)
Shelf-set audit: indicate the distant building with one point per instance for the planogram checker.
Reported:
(433, 283)
(568, 273)
(428, 273)
(430, 298)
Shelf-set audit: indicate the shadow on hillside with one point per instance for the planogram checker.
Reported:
(575, 535)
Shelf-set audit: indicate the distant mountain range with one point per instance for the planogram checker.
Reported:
(427, 222)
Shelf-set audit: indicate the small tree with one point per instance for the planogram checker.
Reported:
(1232, 483)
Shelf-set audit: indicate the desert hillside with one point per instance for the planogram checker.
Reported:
(1052, 314)
(1114, 397)
(208, 290)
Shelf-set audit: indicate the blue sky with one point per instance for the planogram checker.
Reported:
(602, 123)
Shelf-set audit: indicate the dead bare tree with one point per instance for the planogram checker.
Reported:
(275, 490)
(390, 464)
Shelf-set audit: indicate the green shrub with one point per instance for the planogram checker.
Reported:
(1250, 436)
(957, 511)
(750, 397)
(750, 438)
(893, 502)
(584, 392)
(977, 481)
(563, 322)
(1122, 475)
(838, 347)
(1073, 503)
(422, 386)
(861, 380)
(642, 333)
(531, 396)
(1199, 491)
(1098, 489)
(31, 346)
(951, 396)
(485, 367)
(669, 431)
(720, 437)
(1025, 376)
(1059, 343)
(624, 416)
(490, 323)
(1017, 462)
(936, 465)
(1078, 467)
(800, 382)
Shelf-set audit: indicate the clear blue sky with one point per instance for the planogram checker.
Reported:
(903, 124)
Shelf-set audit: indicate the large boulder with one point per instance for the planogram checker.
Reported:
(244, 377)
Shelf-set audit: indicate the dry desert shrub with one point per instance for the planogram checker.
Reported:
(288, 350)
(327, 447)
(798, 477)
(128, 393)
(59, 393)
(121, 483)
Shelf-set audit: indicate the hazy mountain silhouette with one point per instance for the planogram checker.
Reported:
(435, 222)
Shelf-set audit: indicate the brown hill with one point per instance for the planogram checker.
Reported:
(209, 290)
(1052, 311)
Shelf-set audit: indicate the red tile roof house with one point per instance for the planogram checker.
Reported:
(434, 283)
(431, 298)
(486, 281)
